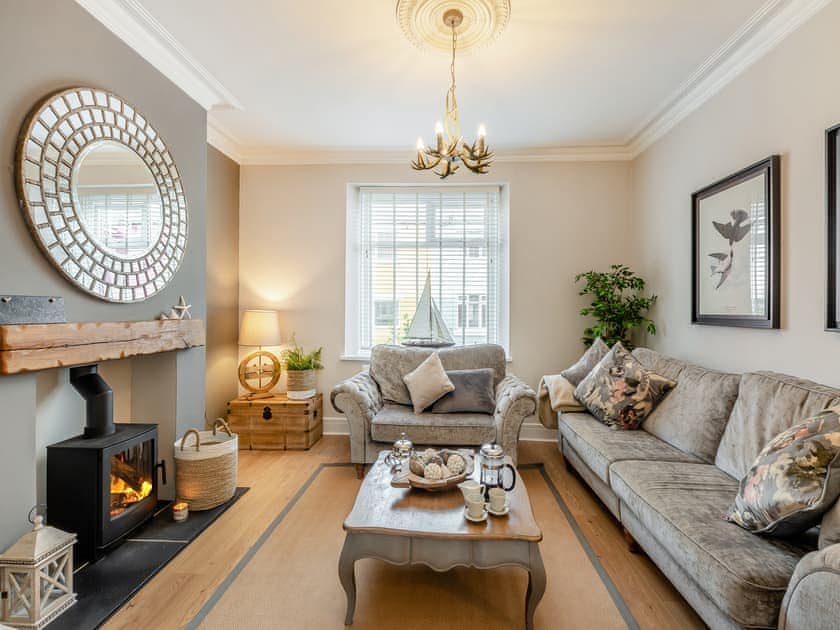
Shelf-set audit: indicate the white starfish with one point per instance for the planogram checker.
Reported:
(183, 309)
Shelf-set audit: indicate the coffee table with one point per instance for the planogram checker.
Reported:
(405, 526)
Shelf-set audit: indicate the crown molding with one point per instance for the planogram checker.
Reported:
(763, 31)
(223, 140)
(305, 156)
(138, 28)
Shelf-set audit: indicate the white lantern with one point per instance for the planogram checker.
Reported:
(36, 577)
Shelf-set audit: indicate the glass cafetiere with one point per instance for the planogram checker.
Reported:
(493, 466)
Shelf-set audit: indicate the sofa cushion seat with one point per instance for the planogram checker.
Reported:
(600, 446)
(682, 506)
(432, 428)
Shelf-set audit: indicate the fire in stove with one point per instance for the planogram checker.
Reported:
(124, 496)
(128, 485)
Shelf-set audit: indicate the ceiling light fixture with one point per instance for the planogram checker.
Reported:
(447, 153)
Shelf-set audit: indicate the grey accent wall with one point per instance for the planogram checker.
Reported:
(222, 280)
(782, 104)
(47, 45)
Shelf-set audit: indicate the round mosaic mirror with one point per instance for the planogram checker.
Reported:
(102, 195)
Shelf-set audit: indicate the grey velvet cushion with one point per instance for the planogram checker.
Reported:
(474, 393)
(767, 404)
(389, 364)
(693, 416)
(811, 601)
(432, 428)
(794, 480)
(587, 362)
(620, 391)
(599, 446)
(681, 505)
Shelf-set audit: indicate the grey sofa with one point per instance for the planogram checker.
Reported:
(377, 404)
(670, 484)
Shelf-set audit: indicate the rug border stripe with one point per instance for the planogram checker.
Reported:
(243, 562)
(221, 589)
(612, 589)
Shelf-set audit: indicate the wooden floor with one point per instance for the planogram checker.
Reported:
(176, 594)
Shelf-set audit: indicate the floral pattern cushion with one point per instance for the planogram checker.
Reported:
(794, 480)
(620, 391)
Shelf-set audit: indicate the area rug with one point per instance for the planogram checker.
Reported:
(104, 586)
(289, 578)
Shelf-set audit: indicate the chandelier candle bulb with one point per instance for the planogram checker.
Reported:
(482, 133)
(439, 136)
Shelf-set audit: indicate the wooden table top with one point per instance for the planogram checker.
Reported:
(382, 509)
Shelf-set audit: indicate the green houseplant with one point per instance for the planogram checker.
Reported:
(618, 305)
(300, 371)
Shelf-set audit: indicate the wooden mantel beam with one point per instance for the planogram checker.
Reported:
(31, 347)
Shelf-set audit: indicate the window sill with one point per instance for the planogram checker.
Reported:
(365, 358)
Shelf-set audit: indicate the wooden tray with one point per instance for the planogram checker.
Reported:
(408, 479)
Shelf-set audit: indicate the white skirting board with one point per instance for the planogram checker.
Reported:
(531, 431)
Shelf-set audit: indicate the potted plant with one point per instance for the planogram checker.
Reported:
(300, 371)
(618, 305)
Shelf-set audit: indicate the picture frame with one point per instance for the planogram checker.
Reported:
(832, 180)
(735, 232)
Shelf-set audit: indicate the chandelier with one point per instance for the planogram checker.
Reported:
(450, 150)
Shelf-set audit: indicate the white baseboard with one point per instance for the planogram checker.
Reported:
(531, 431)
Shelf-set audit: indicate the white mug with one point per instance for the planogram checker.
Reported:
(498, 499)
(470, 486)
(475, 505)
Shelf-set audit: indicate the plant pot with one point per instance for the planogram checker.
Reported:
(300, 384)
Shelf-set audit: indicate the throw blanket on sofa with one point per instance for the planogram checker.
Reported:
(555, 394)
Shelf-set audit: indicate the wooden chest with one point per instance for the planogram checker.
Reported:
(277, 422)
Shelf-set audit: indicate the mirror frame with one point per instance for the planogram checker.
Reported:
(53, 139)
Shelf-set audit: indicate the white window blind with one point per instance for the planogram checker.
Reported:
(125, 219)
(396, 234)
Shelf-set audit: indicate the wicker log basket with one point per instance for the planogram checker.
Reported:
(205, 471)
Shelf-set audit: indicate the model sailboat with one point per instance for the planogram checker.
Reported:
(427, 327)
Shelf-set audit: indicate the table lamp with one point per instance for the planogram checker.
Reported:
(259, 328)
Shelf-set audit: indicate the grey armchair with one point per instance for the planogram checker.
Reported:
(377, 405)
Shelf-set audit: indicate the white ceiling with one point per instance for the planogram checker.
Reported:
(340, 75)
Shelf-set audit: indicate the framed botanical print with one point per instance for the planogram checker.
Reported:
(832, 159)
(735, 249)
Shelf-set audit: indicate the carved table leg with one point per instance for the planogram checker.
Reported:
(536, 584)
(347, 576)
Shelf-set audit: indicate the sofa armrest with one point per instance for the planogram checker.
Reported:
(359, 399)
(811, 600)
(515, 401)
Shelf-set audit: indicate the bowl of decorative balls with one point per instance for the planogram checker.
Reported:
(435, 470)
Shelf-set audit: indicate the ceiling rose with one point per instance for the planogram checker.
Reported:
(423, 25)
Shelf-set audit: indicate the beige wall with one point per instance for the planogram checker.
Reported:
(222, 280)
(781, 105)
(564, 218)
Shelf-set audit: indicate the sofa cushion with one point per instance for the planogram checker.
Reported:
(389, 364)
(593, 355)
(767, 404)
(432, 428)
(620, 391)
(474, 393)
(681, 505)
(660, 363)
(830, 527)
(794, 480)
(599, 446)
(427, 383)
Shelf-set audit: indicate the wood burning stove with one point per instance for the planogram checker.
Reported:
(102, 484)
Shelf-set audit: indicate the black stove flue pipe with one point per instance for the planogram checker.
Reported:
(99, 399)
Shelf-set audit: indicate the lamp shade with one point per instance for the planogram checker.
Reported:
(259, 328)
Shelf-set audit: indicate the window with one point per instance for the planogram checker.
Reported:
(125, 219)
(396, 234)
(384, 313)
